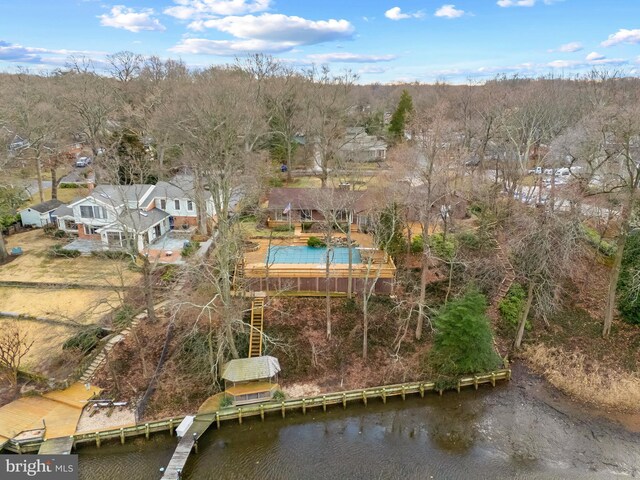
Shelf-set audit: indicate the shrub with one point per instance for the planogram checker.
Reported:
(123, 316)
(340, 227)
(226, 401)
(86, 339)
(282, 228)
(306, 226)
(595, 240)
(59, 234)
(112, 255)
(463, 342)
(511, 306)
(316, 242)
(190, 248)
(69, 185)
(169, 274)
(441, 247)
(58, 252)
(469, 240)
(276, 182)
(279, 396)
(628, 295)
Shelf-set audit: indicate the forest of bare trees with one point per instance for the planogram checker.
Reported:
(233, 127)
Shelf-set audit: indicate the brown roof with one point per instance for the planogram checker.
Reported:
(312, 198)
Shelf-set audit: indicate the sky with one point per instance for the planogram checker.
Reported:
(382, 41)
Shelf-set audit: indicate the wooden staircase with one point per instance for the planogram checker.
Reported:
(238, 275)
(257, 324)
(509, 277)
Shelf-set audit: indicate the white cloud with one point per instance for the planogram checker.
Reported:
(516, 3)
(396, 13)
(449, 11)
(563, 63)
(12, 52)
(131, 20)
(371, 70)
(198, 9)
(281, 28)
(622, 36)
(570, 47)
(229, 48)
(594, 56)
(350, 58)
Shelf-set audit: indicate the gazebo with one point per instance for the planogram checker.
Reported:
(251, 380)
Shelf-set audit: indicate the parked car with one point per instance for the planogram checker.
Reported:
(83, 162)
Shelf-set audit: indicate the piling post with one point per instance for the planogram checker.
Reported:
(364, 398)
(304, 407)
(98, 439)
(403, 393)
(493, 378)
(146, 431)
(283, 409)
(422, 390)
(195, 442)
(384, 395)
(218, 420)
(171, 427)
(458, 388)
(440, 392)
(240, 415)
(344, 400)
(508, 374)
(262, 412)
(122, 436)
(475, 381)
(324, 403)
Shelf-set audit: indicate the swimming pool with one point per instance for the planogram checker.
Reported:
(311, 255)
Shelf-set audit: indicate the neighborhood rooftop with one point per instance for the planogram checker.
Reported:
(46, 206)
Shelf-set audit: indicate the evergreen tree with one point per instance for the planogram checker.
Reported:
(399, 117)
(628, 296)
(463, 342)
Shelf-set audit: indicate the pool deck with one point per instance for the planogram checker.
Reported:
(255, 267)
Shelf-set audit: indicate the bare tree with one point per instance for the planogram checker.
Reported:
(14, 346)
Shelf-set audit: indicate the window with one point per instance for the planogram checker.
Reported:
(114, 239)
(163, 204)
(306, 215)
(190, 205)
(157, 230)
(92, 211)
(177, 204)
(89, 230)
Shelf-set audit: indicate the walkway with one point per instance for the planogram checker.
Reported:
(52, 415)
(183, 450)
(257, 325)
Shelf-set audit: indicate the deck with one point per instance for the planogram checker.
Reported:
(56, 412)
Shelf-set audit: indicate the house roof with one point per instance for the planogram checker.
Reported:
(45, 207)
(140, 221)
(247, 369)
(63, 211)
(117, 195)
(75, 177)
(312, 198)
(180, 186)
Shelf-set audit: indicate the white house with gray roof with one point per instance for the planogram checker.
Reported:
(116, 215)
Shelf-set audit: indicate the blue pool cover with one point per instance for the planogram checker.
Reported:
(311, 255)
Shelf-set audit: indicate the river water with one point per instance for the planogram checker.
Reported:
(518, 430)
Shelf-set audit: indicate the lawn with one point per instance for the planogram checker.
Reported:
(69, 308)
(65, 195)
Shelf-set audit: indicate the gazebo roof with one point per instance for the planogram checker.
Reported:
(248, 369)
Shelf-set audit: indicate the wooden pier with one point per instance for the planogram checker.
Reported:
(57, 446)
(185, 445)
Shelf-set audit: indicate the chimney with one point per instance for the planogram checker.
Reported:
(90, 185)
